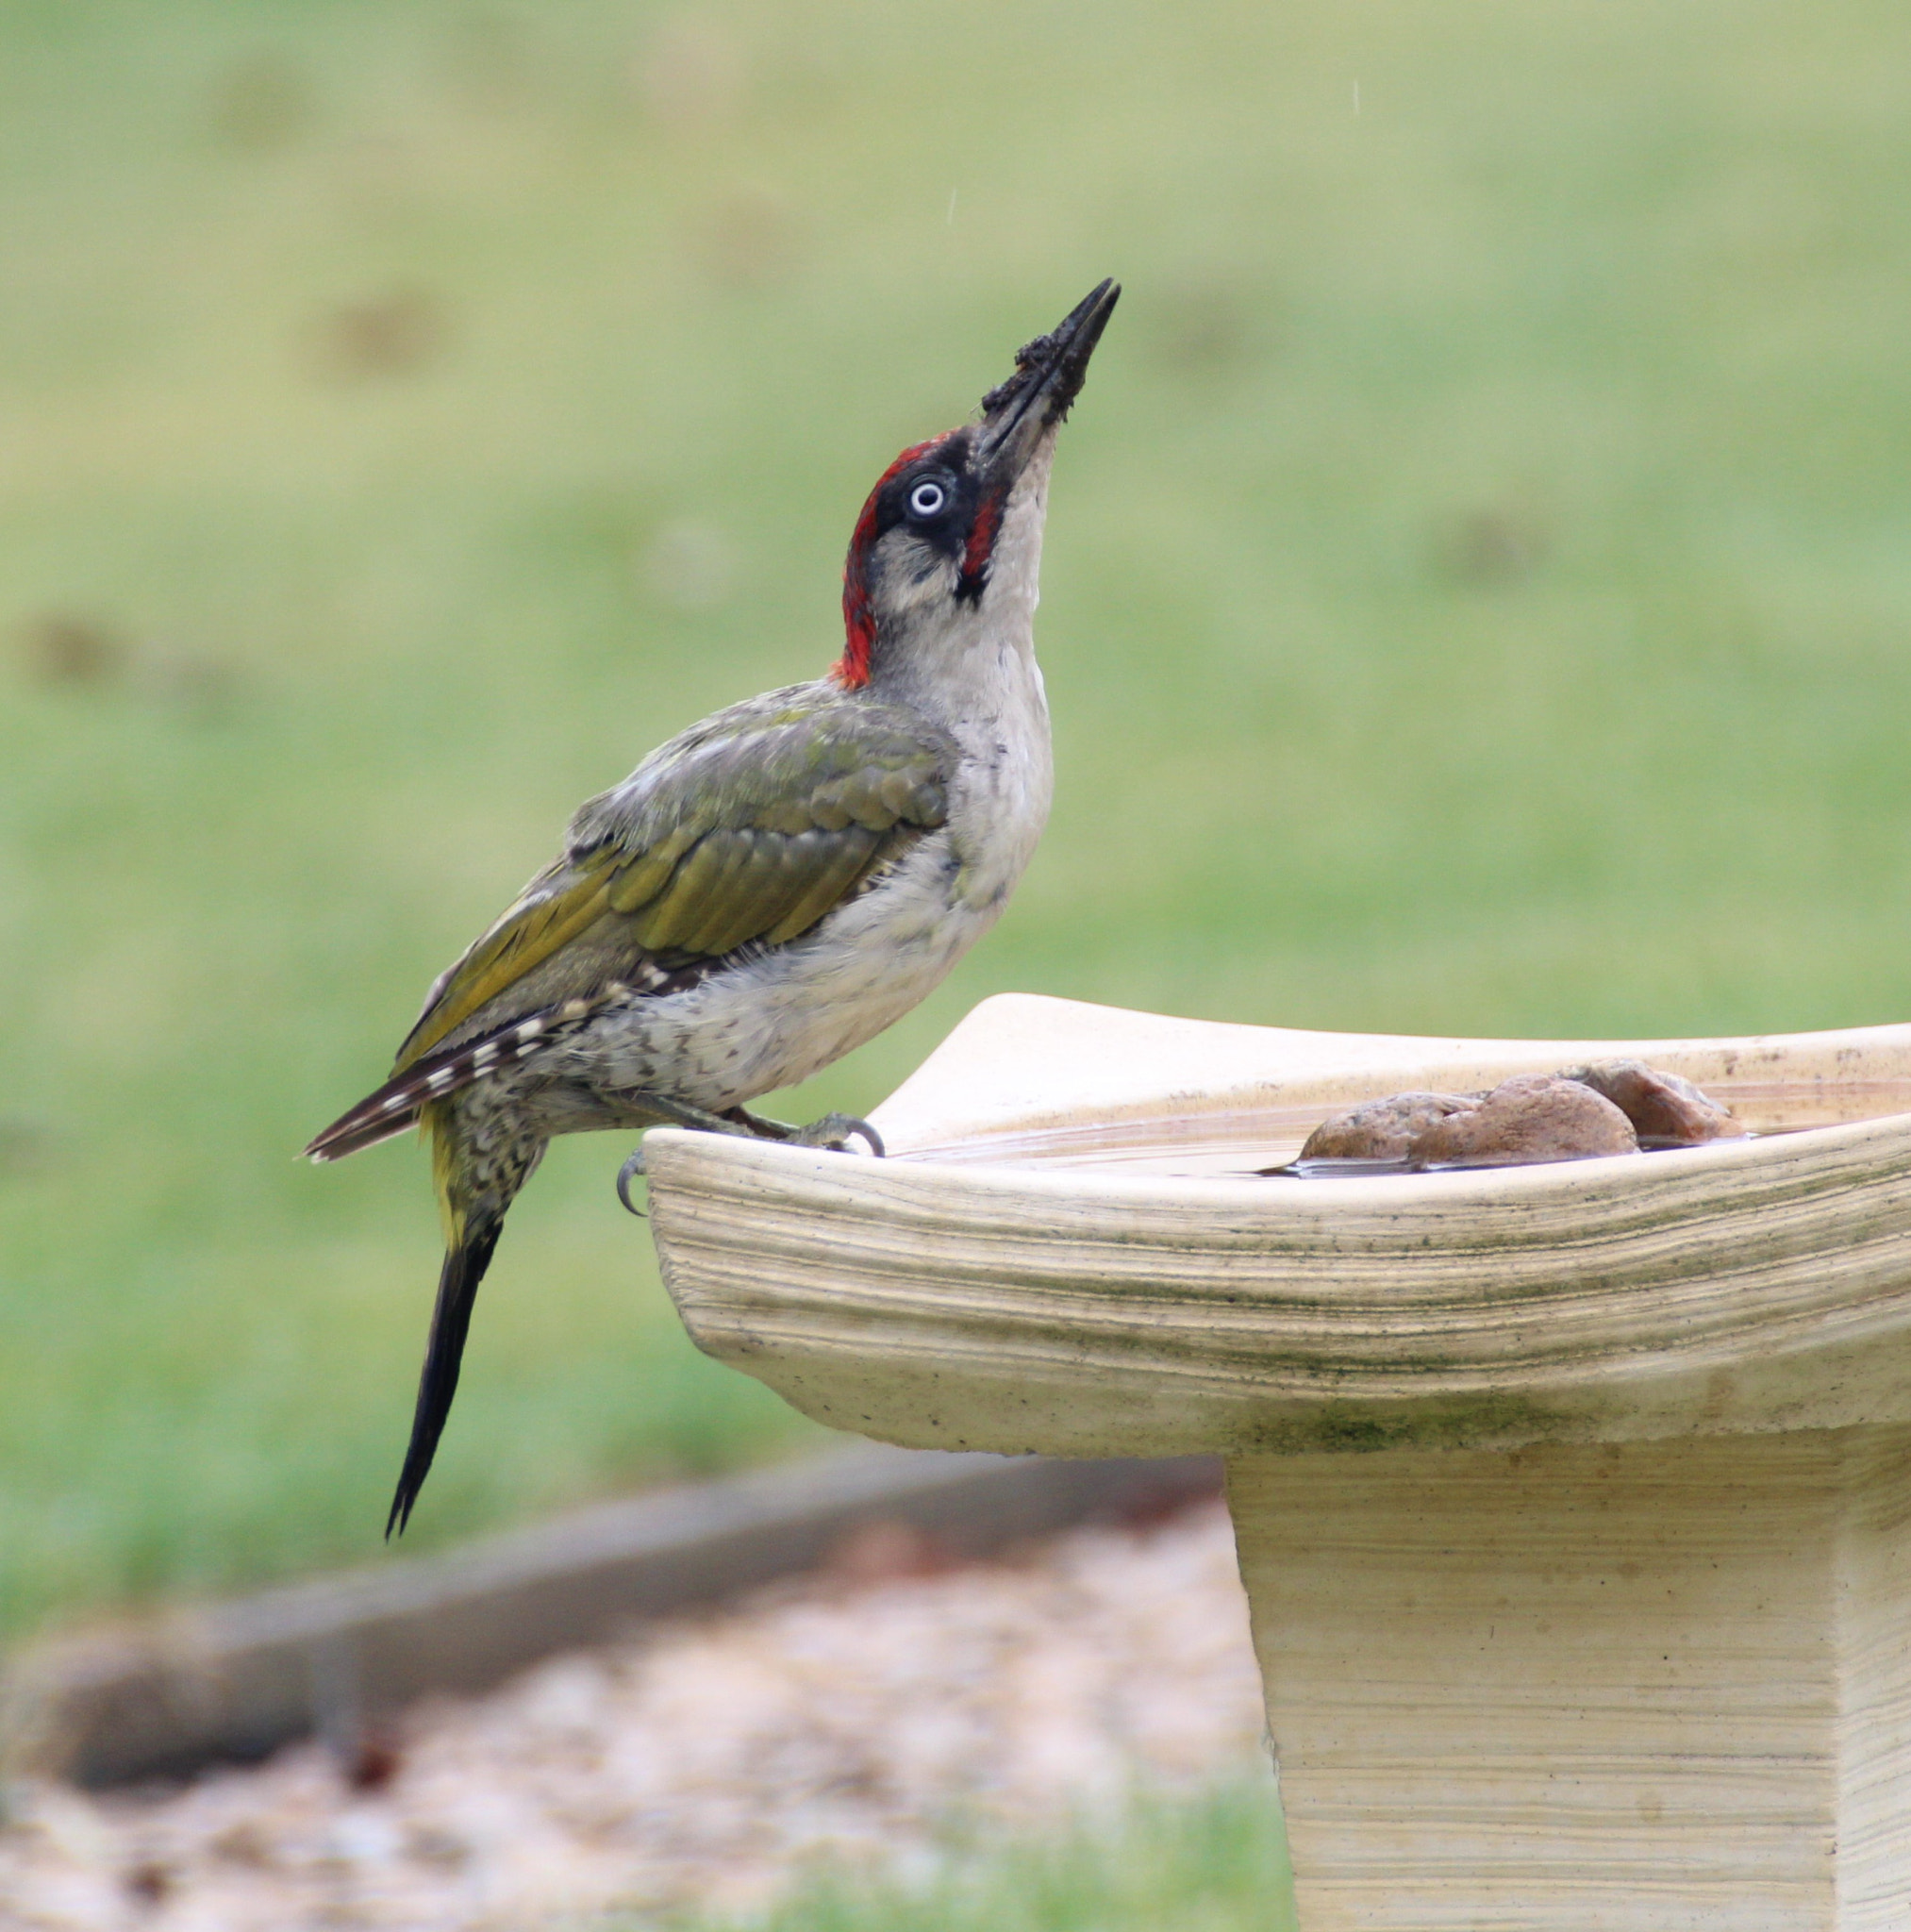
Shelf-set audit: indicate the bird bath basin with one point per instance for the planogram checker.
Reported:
(1574, 1501)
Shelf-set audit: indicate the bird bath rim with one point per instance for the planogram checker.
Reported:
(1027, 1076)
(1746, 1286)
(1606, 1627)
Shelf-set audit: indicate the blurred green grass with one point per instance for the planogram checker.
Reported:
(1215, 1863)
(1478, 583)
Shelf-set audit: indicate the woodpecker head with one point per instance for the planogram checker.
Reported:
(950, 538)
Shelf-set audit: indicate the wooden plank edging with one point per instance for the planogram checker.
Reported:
(235, 1680)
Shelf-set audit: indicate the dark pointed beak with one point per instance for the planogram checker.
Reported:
(1049, 373)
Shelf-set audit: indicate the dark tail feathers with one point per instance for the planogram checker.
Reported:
(457, 1285)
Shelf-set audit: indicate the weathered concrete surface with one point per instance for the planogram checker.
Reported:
(1574, 1501)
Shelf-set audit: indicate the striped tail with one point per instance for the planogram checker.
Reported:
(397, 1105)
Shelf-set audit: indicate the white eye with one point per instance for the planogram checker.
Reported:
(927, 500)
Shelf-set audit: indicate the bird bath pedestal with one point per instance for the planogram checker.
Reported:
(1573, 1502)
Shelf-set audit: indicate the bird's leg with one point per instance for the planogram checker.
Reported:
(834, 1131)
(680, 1113)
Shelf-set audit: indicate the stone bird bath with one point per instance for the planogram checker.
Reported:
(1574, 1501)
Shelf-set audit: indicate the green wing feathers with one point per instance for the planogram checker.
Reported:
(751, 828)
(538, 925)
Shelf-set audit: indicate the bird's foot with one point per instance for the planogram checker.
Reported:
(631, 1170)
(834, 1131)
(675, 1113)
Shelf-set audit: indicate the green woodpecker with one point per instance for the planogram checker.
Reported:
(774, 886)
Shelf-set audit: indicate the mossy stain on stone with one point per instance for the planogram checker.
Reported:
(1488, 1421)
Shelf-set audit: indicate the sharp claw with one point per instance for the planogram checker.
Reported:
(625, 1174)
(834, 1131)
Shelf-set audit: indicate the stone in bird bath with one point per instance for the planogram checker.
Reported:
(1534, 1117)
(1530, 1117)
(1383, 1129)
(1664, 1108)
(1603, 1106)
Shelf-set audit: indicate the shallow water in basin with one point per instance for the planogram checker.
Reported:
(1248, 1143)
(1341, 1169)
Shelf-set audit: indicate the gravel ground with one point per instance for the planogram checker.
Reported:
(702, 1764)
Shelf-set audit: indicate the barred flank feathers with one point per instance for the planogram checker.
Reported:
(397, 1104)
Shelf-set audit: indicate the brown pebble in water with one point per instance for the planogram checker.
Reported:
(1662, 1106)
(1535, 1117)
(1382, 1129)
